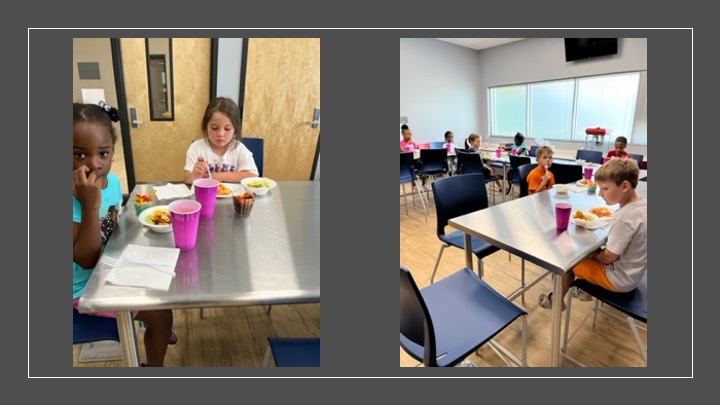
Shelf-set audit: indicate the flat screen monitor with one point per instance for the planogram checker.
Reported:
(584, 48)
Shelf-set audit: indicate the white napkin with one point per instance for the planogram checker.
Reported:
(144, 266)
(172, 191)
(577, 189)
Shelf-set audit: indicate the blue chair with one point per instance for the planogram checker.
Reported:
(523, 172)
(445, 322)
(633, 304)
(257, 147)
(638, 158)
(456, 196)
(594, 156)
(437, 145)
(471, 162)
(293, 352)
(92, 329)
(407, 175)
(514, 174)
(533, 150)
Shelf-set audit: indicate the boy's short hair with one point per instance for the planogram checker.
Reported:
(621, 139)
(543, 150)
(619, 170)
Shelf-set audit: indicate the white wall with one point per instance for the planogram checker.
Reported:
(427, 65)
(439, 89)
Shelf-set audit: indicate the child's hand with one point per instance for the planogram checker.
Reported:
(547, 173)
(201, 168)
(87, 187)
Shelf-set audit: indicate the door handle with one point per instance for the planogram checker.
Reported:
(133, 117)
(316, 119)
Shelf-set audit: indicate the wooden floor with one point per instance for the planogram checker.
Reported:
(610, 345)
(228, 336)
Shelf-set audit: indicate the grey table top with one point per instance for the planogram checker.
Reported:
(270, 257)
(526, 227)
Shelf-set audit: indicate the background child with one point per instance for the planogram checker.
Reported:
(449, 137)
(220, 152)
(452, 160)
(97, 198)
(407, 139)
(540, 178)
(622, 263)
(473, 141)
(619, 151)
(519, 146)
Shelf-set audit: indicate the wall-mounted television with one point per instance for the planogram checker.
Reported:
(584, 48)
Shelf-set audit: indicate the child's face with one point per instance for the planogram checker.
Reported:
(545, 160)
(407, 135)
(220, 130)
(92, 147)
(611, 192)
(475, 143)
(450, 138)
(619, 147)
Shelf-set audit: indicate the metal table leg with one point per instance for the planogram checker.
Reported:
(128, 339)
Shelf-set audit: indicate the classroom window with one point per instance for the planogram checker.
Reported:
(562, 109)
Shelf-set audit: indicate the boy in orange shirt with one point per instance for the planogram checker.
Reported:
(540, 178)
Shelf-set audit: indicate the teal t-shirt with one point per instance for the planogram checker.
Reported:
(521, 146)
(109, 209)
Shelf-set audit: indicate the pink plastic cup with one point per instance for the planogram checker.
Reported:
(562, 215)
(588, 173)
(449, 147)
(513, 152)
(498, 152)
(185, 216)
(205, 194)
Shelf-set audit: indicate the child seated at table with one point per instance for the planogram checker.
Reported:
(473, 143)
(621, 264)
(519, 147)
(541, 178)
(619, 151)
(407, 139)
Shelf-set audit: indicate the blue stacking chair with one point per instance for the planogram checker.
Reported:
(293, 352)
(92, 329)
(456, 196)
(533, 150)
(514, 174)
(257, 147)
(471, 162)
(433, 163)
(638, 158)
(407, 175)
(633, 304)
(437, 145)
(445, 322)
(523, 172)
(594, 156)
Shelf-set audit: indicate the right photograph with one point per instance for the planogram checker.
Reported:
(523, 202)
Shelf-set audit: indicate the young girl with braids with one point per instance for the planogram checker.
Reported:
(97, 198)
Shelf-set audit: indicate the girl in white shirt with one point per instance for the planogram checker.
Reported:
(220, 152)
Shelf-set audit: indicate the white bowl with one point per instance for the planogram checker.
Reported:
(261, 185)
(561, 188)
(590, 221)
(143, 218)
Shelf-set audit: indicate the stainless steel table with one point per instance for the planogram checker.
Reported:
(526, 228)
(270, 257)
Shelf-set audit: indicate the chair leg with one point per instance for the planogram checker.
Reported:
(268, 357)
(422, 200)
(638, 342)
(404, 196)
(437, 263)
(522, 279)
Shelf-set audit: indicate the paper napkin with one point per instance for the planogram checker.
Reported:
(145, 266)
(171, 191)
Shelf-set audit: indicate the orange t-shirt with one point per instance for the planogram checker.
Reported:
(535, 178)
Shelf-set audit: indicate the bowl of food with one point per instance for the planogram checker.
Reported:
(157, 218)
(561, 188)
(258, 185)
(585, 219)
(601, 212)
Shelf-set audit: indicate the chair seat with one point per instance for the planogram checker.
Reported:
(88, 328)
(479, 247)
(295, 352)
(459, 333)
(633, 303)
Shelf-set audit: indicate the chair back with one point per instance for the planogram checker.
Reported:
(638, 158)
(437, 145)
(433, 162)
(566, 173)
(523, 171)
(88, 328)
(469, 162)
(407, 172)
(295, 352)
(257, 147)
(515, 162)
(416, 326)
(533, 150)
(458, 195)
(594, 156)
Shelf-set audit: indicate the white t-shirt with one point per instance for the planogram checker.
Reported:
(237, 158)
(628, 238)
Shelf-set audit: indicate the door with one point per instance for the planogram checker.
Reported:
(159, 147)
(282, 91)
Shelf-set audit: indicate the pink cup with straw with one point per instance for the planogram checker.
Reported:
(185, 216)
(206, 193)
